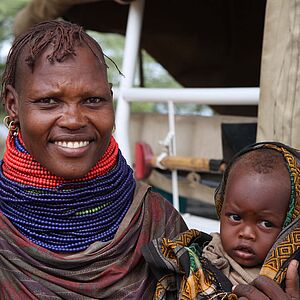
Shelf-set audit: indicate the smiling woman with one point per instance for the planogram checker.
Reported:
(72, 215)
(72, 102)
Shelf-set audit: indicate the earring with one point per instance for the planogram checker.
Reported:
(6, 121)
(113, 129)
(10, 125)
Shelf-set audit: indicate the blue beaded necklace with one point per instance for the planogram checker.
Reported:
(72, 216)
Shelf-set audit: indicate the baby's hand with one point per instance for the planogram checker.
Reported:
(264, 288)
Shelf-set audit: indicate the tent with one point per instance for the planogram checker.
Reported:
(215, 43)
(207, 44)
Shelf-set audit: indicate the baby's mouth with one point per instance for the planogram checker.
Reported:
(245, 249)
(244, 252)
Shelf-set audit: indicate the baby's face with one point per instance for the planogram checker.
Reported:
(253, 213)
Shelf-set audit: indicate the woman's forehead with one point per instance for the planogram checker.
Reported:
(83, 57)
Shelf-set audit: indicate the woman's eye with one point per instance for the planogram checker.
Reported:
(47, 101)
(234, 217)
(266, 224)
(93, 100)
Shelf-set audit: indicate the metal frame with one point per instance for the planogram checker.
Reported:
(127, 94)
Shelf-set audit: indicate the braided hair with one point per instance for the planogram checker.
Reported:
(62, 35)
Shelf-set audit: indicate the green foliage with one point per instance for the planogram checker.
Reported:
(8, 10)
(154, 74)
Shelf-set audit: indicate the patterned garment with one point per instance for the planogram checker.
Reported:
(111, 270)
(288, 242)
(183, 272)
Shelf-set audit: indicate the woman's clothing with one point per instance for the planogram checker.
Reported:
(194, 265)
(110, 270)
(63, 215)
(77, 239)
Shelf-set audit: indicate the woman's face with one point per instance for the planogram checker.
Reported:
(65, 112)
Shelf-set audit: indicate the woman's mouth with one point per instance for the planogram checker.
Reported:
(72, 149)
(72, 145)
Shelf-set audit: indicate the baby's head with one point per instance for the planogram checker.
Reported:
(255, 201)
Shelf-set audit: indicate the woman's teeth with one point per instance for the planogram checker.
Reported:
(72, 145)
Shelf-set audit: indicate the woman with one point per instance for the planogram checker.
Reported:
(73, 219)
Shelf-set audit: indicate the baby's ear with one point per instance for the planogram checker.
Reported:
(11, 102)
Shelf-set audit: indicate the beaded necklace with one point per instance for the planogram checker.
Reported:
(62, 215)
(21, 167)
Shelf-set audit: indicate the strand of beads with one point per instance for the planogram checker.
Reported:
(21, 167)
(70, 216)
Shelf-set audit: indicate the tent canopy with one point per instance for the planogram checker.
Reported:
(209, 43)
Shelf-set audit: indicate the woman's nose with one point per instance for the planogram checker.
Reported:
(72, 118)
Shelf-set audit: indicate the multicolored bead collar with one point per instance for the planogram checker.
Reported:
(60, 215)
(21, 167)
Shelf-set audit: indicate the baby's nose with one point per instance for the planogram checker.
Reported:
(247, 232)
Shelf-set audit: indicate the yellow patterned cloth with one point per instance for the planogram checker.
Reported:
(183, 272)
(292, 158)
(288, 242)
(285, 248)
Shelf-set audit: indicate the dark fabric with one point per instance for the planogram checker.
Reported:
(112, 270)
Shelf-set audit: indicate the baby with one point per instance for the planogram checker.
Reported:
(258, 204)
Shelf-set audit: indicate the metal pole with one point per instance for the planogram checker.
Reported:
(208, 96)
(172, 150)
(132, 41)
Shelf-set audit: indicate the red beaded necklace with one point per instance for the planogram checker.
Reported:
(22, 168)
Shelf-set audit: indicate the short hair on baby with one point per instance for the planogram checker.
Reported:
(262, 161)
(257, 160)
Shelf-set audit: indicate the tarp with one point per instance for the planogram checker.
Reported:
(207, 43)
(42, 10)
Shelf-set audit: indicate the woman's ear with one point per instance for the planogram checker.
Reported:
(11, 103)
(110, 86)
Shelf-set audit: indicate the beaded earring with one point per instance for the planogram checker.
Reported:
(11, 126)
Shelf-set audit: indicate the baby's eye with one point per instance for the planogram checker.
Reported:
(266, 224)
(234, 217)
(93, 100)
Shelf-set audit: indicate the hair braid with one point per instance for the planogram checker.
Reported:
(63, 35)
